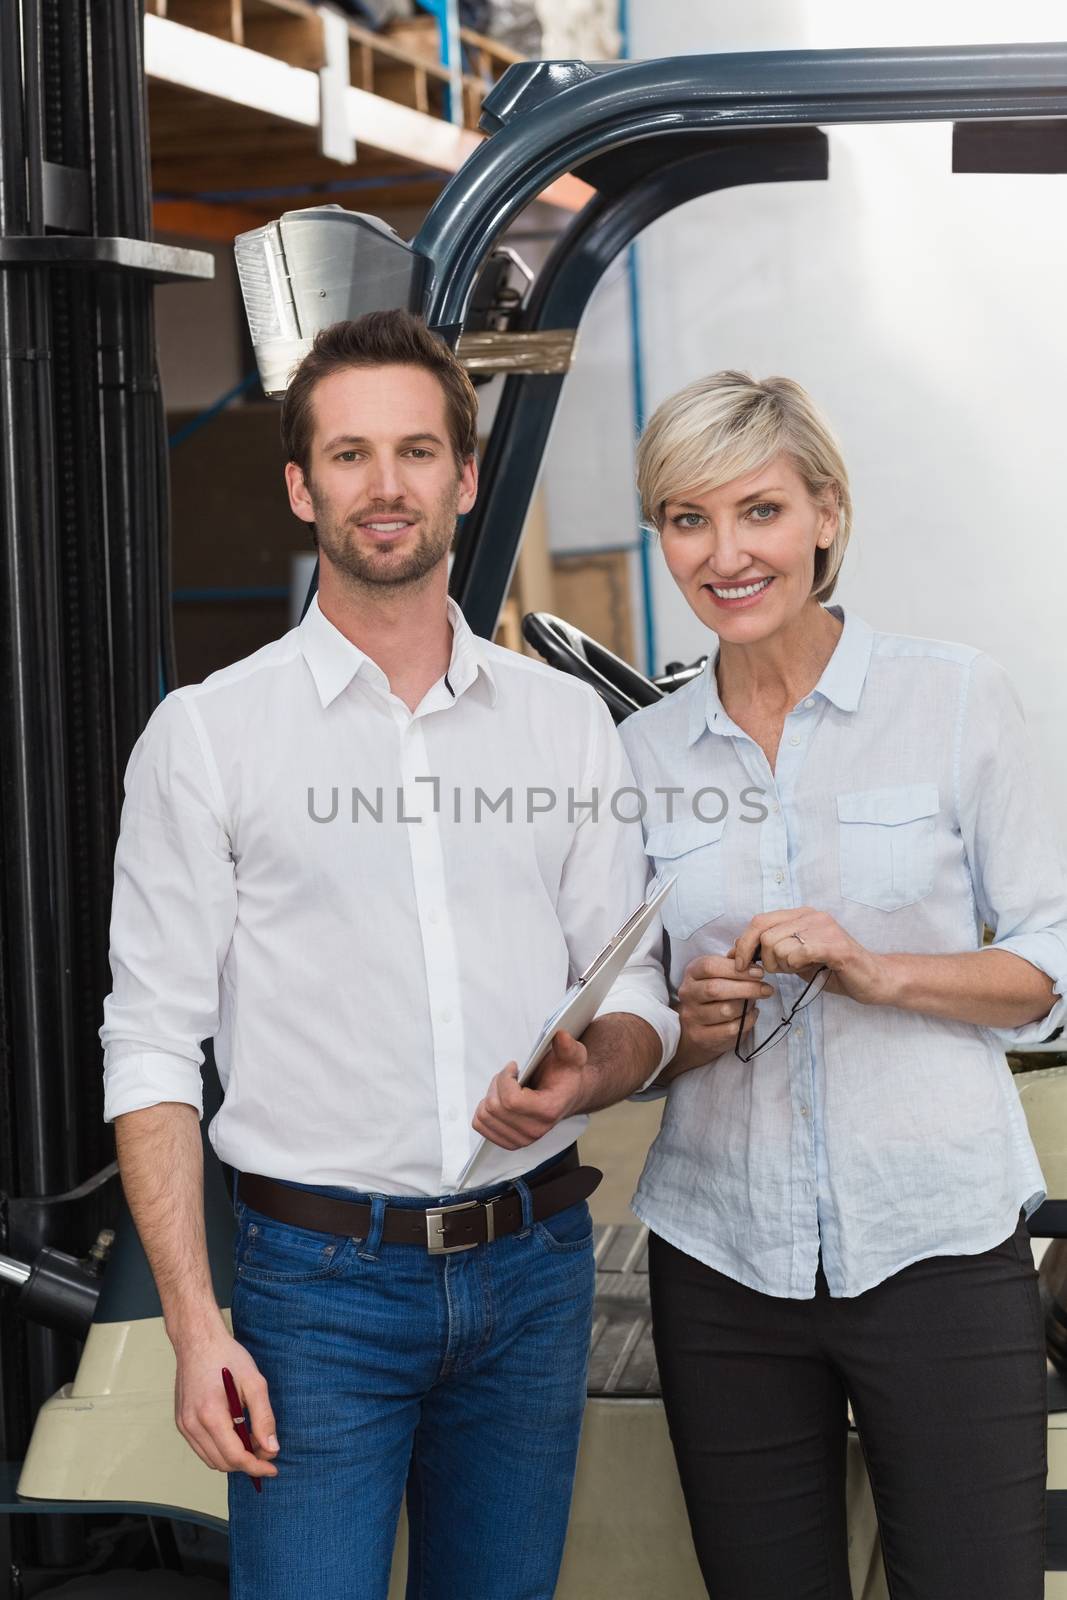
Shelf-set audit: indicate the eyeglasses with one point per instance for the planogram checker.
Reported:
(811, 992)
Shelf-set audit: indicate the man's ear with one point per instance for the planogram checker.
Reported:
(468, 485)
(299, 493)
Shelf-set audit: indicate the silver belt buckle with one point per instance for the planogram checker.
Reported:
(435, 1229)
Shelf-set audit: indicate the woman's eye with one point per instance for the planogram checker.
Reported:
(763, 512)
(687, 519)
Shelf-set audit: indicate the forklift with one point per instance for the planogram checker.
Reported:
(99, 1490)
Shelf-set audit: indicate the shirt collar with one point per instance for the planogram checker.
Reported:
(846, 671)
(334, 660)
(841, 683)
(469, 656)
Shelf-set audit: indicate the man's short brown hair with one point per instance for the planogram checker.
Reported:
(378, 339)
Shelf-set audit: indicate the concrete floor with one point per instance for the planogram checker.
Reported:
(617, 1142)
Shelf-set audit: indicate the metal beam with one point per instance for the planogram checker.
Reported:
(552, 117)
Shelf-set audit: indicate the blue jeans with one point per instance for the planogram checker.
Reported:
(460, 1378)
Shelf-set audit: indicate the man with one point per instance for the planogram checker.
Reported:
(366, 859)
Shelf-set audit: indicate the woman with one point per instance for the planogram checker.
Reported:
(838, 1193)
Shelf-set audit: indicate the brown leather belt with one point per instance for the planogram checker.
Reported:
(439, 1229)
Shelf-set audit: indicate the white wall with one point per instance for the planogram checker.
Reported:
(924, 311)
(590, 503)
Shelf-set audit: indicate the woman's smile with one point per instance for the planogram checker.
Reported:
(735, 597)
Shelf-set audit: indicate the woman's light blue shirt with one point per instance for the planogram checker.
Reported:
(905, 802)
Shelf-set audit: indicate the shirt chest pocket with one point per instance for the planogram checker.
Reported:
(693, 852)
(886, 841)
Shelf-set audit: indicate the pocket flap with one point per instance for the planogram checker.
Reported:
(673, 839)
(902, 803)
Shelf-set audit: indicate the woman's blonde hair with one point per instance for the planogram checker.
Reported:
(729, 424)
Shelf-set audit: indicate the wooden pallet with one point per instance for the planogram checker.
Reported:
(402, 64)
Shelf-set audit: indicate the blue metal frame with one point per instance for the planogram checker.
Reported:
(637, 369)
(215, 409)
(450, 52)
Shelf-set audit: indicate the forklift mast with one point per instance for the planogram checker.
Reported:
(85, 637)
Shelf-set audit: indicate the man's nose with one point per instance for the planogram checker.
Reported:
(385, 481)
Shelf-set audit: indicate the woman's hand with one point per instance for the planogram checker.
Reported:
(710, 1000)
(856, 971)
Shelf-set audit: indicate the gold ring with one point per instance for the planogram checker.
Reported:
(797, 936)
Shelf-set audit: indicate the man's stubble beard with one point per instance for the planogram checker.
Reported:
(383, 569)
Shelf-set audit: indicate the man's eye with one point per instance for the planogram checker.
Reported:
(423, 455)
(347, 455)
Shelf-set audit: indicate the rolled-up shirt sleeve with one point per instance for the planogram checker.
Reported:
(1013, 846)
(172, 917)
(604, 880)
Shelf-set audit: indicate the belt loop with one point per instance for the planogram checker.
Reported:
(368, 1251)
(526, 1197)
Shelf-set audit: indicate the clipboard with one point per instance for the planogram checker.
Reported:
(585, 996)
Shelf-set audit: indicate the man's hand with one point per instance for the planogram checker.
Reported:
(514, 1115)
(202, 1411)
(855, 971)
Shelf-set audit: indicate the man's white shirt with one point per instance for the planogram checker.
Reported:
(371, 910)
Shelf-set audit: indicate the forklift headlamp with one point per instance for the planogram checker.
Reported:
(315, 267)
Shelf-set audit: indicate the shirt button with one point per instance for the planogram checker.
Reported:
(805, 1111)
(446, 1016)
(809, 703)
(451, 1114)
(775, 807)
(779, 877)
(794, 738)
(433, 917)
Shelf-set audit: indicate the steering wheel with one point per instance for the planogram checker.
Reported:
(677, 673)
(622, 688)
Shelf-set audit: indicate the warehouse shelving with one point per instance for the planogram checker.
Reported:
(254, 100)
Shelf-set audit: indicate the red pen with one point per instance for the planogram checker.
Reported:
(237, 1413)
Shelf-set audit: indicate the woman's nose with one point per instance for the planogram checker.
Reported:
(727, 556)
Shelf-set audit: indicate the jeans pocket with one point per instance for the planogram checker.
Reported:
(568, 1232)
(886, 843)
(276, 1252)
